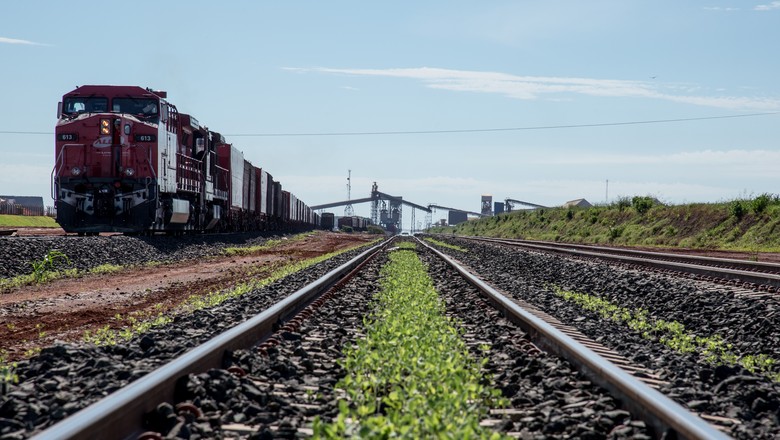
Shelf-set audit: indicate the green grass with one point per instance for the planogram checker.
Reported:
(411, 376)
(49, 269)
(246, 250)
(445, 245)
(106, 268)
(673, 334)
(17, 221)
(747, 225)
(8, 374)
(135, 323)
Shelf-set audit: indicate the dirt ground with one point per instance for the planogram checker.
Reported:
(35, 316)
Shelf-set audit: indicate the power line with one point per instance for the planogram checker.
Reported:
(482, 130)
(26, 132)
(472, 130)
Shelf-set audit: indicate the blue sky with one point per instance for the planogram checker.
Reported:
(313, 67)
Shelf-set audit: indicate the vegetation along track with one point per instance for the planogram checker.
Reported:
(303, 380)
(754, 275)
(714, 347)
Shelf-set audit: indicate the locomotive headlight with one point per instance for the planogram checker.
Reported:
(129, 172)
(127, 128)
(75, 171)
(105, 126)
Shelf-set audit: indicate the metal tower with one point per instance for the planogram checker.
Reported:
(375, 209)
(348, 210)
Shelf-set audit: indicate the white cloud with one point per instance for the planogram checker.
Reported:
(768, 7)
(17, 41)
(538, 87)
(718, 8)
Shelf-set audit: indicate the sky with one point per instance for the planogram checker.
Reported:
(436, 101)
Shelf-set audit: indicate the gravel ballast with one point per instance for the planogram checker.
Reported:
(291, 383)
(18, 253)
(66, 378)
(750, 325)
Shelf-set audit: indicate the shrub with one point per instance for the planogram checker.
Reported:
(737, 209)
(615, 232)
(373, 229)
(642, 204)
(622, 203)
(760, 203)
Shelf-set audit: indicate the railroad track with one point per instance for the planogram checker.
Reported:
(762, 276)
(123, 413)
(126, 413)
(632, 384)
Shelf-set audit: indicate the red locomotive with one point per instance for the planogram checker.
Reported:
(128, 161)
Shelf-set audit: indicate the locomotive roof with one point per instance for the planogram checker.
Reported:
(114, 90)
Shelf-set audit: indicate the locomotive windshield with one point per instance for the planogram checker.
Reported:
(143, 107)
(77, 105)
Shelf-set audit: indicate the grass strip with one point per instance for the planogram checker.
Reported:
(443, 244)
(46, 270)
(673, 334)
(411, 376)
(246, 250)
(31, 221)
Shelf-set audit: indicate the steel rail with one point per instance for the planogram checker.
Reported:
(660, 412)
(768, 279)
(120, 415)
(730, 262)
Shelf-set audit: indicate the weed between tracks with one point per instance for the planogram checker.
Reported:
(443, 244)
(673, 334)
(411, 376)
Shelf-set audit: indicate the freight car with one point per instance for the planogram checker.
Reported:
(354, 222)
(327, 221)
(127, 161)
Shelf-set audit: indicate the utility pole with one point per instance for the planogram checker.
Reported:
(606, 199)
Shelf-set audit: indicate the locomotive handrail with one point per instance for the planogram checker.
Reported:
(58, 165)
(149, 161)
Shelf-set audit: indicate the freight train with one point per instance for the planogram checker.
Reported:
(127, 161)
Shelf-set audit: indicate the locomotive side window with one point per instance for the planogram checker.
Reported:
(76, 105)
